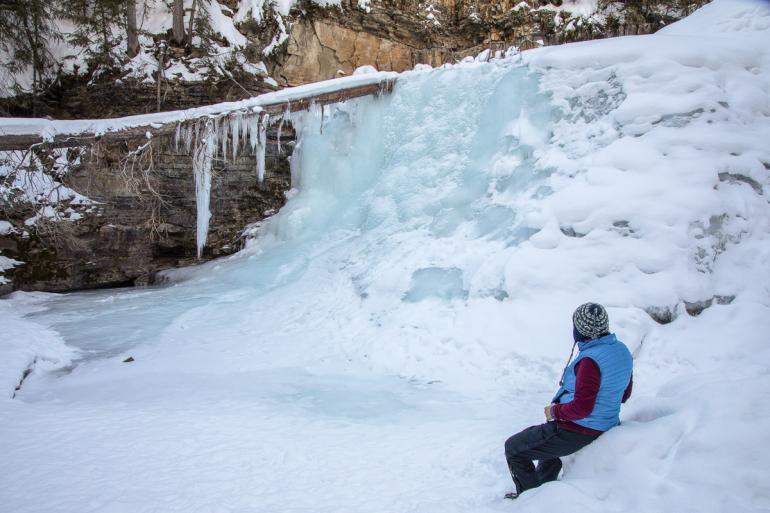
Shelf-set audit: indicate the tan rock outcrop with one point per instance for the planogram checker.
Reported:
(322, 49)
(395, 35)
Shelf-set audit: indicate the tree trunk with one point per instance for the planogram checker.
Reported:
(178, 35)
(191, 25)
(131, 30)
(31, 31)
(105, 33)
(161, 68)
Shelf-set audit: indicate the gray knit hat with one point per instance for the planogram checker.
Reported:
(590, 320)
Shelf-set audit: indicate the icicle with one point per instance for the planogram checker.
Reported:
(235, 128)
(280, 130)
(223, 133)
(215, 135)
(188, 137)
(261, 143)
(244, 129)
(253, 131)
(202, 162)
(177, 136)
(322, 119)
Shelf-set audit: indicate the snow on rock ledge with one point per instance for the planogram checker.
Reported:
(48, 130)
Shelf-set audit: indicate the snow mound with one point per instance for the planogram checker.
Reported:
(746, 16)
(27, 349)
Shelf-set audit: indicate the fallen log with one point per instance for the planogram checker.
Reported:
(287, 100)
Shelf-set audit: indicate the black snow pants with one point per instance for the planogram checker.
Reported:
(545, 443)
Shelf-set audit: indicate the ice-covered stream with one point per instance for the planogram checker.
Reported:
(409, 307)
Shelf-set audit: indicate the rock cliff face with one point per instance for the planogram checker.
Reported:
(324, 43)
(81, 98)
(313, 43)
(395, 35)
(108, 99)
(142, 223)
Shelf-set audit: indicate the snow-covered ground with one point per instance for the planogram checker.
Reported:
(409, 308)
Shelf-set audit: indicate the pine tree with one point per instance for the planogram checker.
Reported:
(26, 29)
(95, 20)
(191, 25)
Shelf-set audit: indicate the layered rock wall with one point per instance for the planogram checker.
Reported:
(142, 223)
(79, 98)
(395, 35)
(315, 43)
(391, 36)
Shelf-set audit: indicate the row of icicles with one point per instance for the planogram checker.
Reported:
(222, 137)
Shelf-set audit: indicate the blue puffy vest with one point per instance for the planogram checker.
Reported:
(615, 365)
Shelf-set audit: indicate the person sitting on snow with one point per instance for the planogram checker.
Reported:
(586, 405)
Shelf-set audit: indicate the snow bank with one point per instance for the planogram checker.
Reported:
(584, 8)
(5, 228)
(27, 348)
(5, 264)
(254, 9)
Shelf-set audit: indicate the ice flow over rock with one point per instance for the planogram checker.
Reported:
(409, 308)
(208, 137)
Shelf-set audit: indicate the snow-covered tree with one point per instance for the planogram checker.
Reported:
(26, 29)
(95, 21)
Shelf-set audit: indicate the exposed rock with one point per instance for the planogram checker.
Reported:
(24, 377)
(320, 50)
(741, 178)
(396, 35)
(132, 233)
(570, 232)
(696, 308)
(661, 314)
(667, 314)
(80, 98)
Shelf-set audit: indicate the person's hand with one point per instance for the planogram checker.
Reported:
(549, 413)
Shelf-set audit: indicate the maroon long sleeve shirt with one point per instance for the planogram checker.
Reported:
(588, 379)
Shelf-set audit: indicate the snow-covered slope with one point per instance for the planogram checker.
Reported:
(409, 308)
